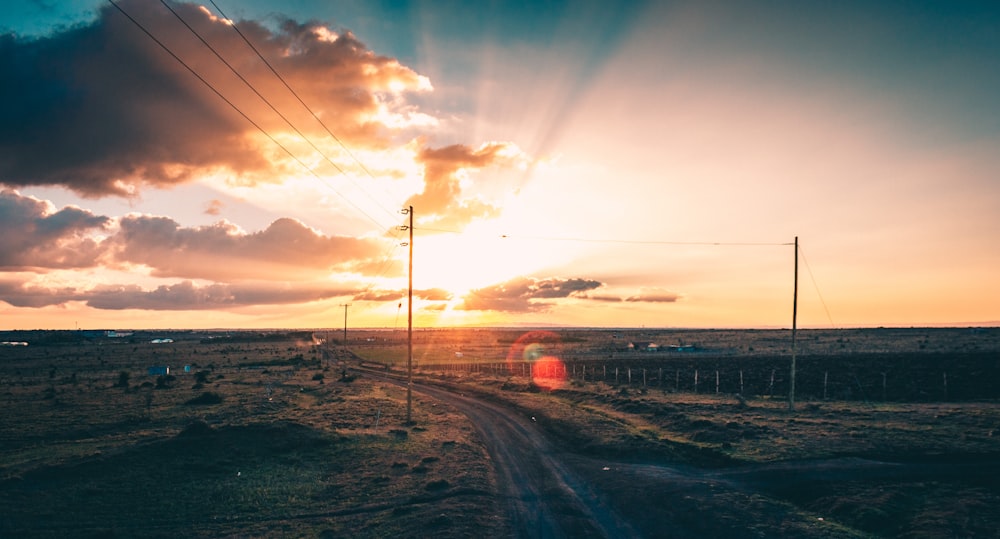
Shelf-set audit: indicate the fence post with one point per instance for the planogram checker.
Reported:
(677, 380)
(826, 375)
(883, 387)
(643, 377)
(696, 380)
(945, 385)
(630, 376)
(716, 382)
(616, 375)
(770, 388)
(659, 378)
(741, 381)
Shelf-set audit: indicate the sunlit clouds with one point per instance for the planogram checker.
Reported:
(585, 163)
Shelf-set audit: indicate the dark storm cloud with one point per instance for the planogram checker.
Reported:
(103, 110)
(33, 235)
(286, 250)
(518, 295)
(182, 296)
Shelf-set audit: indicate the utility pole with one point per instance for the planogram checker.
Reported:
(795, 313)
(345, 306)
(409, 327)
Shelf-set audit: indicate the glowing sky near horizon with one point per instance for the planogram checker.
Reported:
(572, 164)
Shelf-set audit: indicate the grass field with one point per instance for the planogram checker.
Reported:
(272, 434)
(283, 445)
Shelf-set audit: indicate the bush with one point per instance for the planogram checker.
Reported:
(123, 378)
(205, 398)
(434, 486)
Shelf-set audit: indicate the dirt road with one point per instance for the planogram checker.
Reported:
(552, 492)
(545, 498)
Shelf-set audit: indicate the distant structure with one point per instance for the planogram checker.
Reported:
(159, 371)
(161, 341)
(653, 347)
(117, 334)
(13, 343)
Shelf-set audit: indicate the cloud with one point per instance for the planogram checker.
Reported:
(22, 294)
(35, 236)
(181, 296)
(654, 296)
(102, 110)
(431, 294)
(286, 250)
(214, 207)
(518, 295)
(608, 299)
(444, 170)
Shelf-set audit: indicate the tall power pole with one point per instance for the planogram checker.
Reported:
(795, 315)
(409, 328)
(345, 306)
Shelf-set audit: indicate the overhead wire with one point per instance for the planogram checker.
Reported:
(162, 45)
(386, 259)
(290, 89)
(384, 266)
(270, 105)
(618, 240)
(816, 286)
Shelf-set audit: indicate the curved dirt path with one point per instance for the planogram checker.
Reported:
(544, 497)
(552, 493)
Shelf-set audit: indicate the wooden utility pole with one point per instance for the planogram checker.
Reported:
(345, 306)
(409, 328)
(795, 313)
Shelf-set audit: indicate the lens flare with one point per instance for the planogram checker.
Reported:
(536, 354)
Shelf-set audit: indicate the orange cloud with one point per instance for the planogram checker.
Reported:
(102, 110)
(286, 250)
(182, 296)
(519, 294)
(444, 169)
(36, 237)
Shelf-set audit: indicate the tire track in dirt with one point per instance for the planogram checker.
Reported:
(544, 497)
(552, 493)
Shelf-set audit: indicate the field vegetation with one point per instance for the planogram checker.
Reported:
(278, 433)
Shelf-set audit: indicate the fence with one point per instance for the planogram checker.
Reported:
(861, 377)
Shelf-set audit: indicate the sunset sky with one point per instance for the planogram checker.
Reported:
(572, 163)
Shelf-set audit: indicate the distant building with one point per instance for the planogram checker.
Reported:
(159, 371)
(117, 334)
(643, 346)
(161, 341)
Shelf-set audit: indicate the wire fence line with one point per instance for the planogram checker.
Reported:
(863, 377)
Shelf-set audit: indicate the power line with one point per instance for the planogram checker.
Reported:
(393, 244)
(293, 92)
(647, 242)
(818, 293)
(618, 240)
(271, 106)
